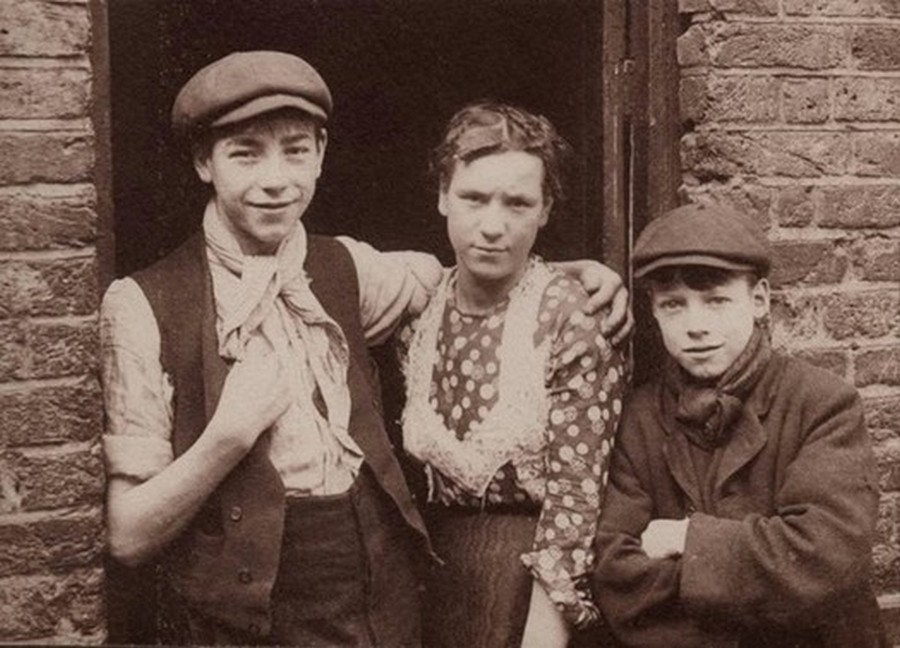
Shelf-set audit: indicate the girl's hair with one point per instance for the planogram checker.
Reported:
(488, 127)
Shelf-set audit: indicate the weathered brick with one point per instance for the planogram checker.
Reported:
(63, 541)
(883, 417)
(41, 415)
(886, 573)
(44, 94)
(888, 456)
(748, 198)
(67, 608)
(861, 315)
(805, 101)
(752, 7)
(878, 367)
(38, 28)
(878, 259)
(875, 47)
(864, 99)
(750, 99)
(809, 262)
(812, 47)
(57, 217)
(794, 317)
(691, 47)
(849, 8)
(861, 207)
(45, 157)
(47, 349)
(44, 480)
(59, 287)
(886, 526)
(797, 206)
(718, 155)
(834, 361)
(877, 154)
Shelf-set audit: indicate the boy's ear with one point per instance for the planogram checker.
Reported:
(442, 202)
(761, 299)
(201, 166)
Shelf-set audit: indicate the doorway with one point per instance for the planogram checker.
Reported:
(397, 69)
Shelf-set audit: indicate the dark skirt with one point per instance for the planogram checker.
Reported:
(480, 597)
(347, 577)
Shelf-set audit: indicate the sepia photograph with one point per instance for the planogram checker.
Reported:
(450, 323)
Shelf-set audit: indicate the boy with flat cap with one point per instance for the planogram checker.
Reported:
(741, 501)
(245, 447)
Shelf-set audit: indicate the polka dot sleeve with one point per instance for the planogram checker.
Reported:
(585, 380)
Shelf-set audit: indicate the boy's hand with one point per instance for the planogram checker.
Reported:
(607, 293)
(256, 393)
(664, 538)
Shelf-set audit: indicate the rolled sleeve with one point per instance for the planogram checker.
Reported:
(392, 286)
(137, 393)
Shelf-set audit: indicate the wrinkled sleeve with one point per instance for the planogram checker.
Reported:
(586, 384)
(392, 286)
(136, 392)
(790, 566)
(638, 595)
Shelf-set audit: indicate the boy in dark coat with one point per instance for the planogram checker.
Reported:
(742, 502)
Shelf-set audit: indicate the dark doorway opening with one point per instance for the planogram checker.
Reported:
(397, 69)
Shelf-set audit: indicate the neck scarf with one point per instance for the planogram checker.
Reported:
(708, 411)
(273, 290)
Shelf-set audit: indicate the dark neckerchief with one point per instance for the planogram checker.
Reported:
(707, 411)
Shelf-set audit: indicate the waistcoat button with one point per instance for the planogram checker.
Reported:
(244, 575)
(236, 513)
(255, 629)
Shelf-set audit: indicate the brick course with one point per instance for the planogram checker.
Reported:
(792, 113)
(51, 475)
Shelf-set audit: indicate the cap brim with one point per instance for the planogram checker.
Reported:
(269, 103)
(694, 260)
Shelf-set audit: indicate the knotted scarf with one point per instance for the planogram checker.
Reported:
(267, 291)
(708, 411)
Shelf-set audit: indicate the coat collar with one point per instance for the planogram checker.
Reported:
(747, 439)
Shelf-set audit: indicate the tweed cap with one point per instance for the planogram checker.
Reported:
(707, 235)
(246, 84)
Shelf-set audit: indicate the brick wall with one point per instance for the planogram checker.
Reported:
(51, 477)
(792, 113)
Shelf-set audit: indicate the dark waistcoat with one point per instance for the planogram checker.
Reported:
(226, 562)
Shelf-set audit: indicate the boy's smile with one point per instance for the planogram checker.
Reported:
(264, 177)
(706, 330)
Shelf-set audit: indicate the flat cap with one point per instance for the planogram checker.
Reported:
(245, 84)
(707, 235)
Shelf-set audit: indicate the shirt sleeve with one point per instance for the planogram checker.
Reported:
(586, 383)
(137, 393)
(392, 286)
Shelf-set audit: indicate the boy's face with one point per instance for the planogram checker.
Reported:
(264, 176)
(706, 330)
(495, 206)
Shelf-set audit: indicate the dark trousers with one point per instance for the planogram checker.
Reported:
(347, 577)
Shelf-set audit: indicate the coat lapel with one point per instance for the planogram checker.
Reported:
(747, 439)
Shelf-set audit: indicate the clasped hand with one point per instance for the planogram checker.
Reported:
(664, 538)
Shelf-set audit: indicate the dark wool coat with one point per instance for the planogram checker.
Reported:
(779, 539)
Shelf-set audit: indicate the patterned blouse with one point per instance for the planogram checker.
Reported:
(564, 471)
